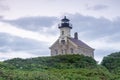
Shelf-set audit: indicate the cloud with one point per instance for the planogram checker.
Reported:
(40, 24)
(97, 7)
(15, 54)
(100, 33)
(3, 6)
(1, 17)
(104, 44)
(12, 46)
(13, 43)
(99, 54)
(12, 30)
(19, 40)
(35, 23)
(92, 28)
(23, 42)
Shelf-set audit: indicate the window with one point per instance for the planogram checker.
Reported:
(62, 51)
(71, 50)
(62, 32)
(63, 41)
(56, 51)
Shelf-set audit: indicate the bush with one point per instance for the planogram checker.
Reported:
(58, 62)
(112, 62)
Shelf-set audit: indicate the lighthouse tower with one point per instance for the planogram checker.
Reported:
(66, 44)
(65, 30)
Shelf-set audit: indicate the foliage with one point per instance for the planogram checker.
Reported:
(62, 67)
(6, 66)
(112, 62)
(58, 74)
(58, 62)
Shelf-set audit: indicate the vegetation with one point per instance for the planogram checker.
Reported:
(112, 62)
(62, 67)
(58, 62)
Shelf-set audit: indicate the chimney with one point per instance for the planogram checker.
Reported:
(75, 35)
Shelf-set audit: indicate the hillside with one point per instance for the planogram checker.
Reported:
(62, 67)
(57, 62)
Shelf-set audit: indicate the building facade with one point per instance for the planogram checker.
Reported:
(66, 44)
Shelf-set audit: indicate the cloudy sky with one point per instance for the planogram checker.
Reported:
(29, 27)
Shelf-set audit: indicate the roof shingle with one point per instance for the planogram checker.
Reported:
(80, 43)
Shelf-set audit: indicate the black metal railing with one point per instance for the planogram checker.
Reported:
(65, 25)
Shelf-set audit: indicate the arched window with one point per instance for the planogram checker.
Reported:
(71, 50)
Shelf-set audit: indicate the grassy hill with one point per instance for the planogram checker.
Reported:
(62, 67)
(57, 62)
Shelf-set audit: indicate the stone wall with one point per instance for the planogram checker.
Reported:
(61, 49)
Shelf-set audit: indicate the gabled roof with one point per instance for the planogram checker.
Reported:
(77, 42)
(80, 43)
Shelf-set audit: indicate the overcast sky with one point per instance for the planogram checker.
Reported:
(29, 27)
